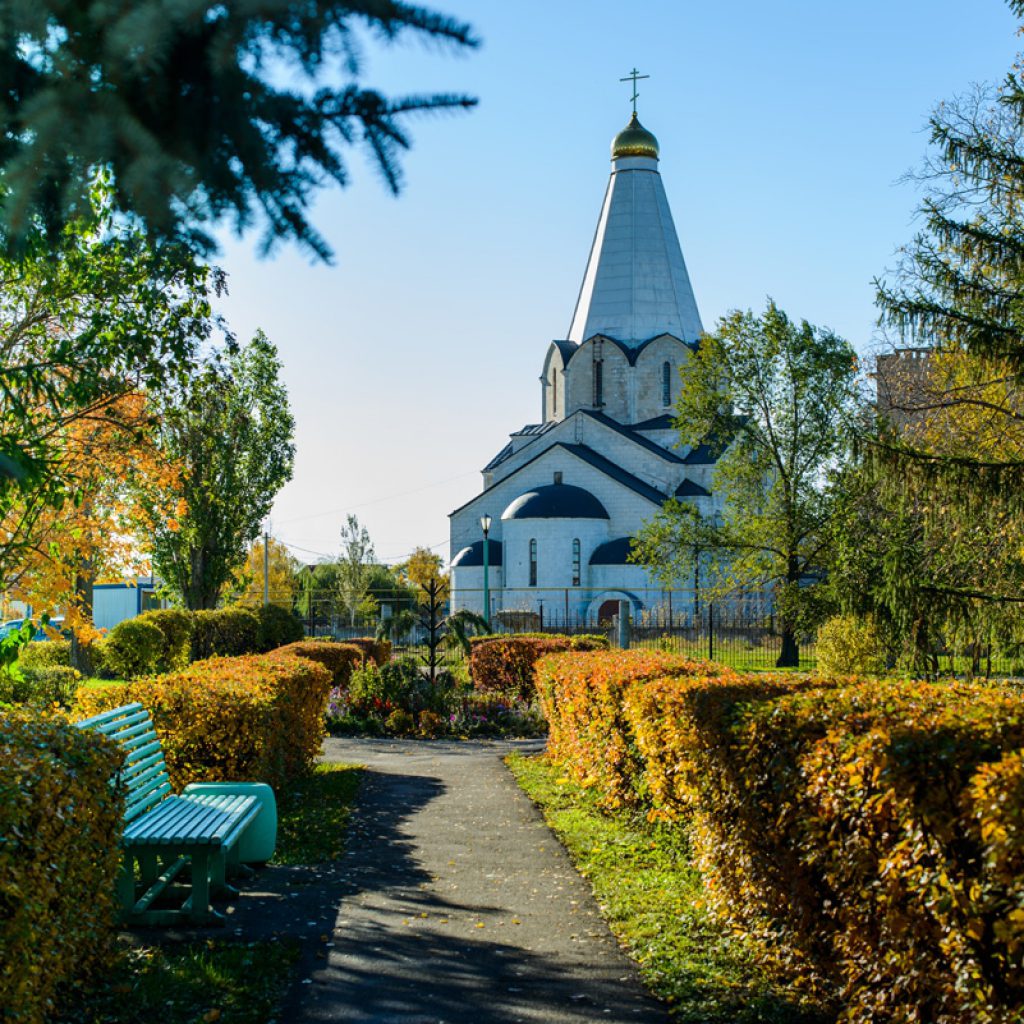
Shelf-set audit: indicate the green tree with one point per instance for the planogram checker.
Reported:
(230, 430)
(355, 568)
(198, 111)
(776, 401)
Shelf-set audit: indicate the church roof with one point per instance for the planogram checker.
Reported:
(612, 552)
(473, 556)
(617, 473)
(635, 285)
(633, 435)
(498, 459)
(662, 422)
(556, 501)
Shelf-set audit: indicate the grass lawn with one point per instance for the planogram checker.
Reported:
(231, 983)
(652, 897)
(217, 980)
(313, 814)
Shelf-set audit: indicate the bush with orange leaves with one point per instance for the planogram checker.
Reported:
(869, 836)
(255, 718)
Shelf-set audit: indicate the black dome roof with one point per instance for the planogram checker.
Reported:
(556, 501)
(472, 556)
(612, 552)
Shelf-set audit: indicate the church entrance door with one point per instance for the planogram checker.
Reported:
(607, 612)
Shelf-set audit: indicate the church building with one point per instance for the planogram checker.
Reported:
(563, 498)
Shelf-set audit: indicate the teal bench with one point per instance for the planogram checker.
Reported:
(204, 829)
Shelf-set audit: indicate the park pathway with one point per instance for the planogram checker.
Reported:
(459, 905)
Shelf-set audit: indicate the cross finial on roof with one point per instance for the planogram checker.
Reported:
(634, 76)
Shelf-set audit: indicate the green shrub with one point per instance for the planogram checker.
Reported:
(54, 684)
(177, 627)
(224, 632)
(45, 654)
(60, 827)
(400, 684)
(256, 718)
(504, 664)
(278, 626)
(132, 649)
(848, 645)
(400, 722)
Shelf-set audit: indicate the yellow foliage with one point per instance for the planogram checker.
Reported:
(61, 822)
(257, 717)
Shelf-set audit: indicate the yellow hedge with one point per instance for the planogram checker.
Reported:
(339, 659)
(868, 835)
(255, 717)
(60, 823)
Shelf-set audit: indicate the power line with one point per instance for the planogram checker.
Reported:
(377, 501)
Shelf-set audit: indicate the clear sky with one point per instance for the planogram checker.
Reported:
(784, 129)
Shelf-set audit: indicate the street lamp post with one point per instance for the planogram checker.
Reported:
(485, 525)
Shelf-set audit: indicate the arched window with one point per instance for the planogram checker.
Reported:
(598, 383)
(533, 562)
(576, 562)
(666, 383)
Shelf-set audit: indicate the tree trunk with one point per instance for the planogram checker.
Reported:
(789, 656)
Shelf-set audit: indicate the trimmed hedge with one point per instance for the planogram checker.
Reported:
(60, 826)
(339, 659)
(278, 626)
(177, 627)
(133, 648)
(256, 718)
(504, 663)
(224, 632)
(868, 835)
(45, 654)
(378, 651)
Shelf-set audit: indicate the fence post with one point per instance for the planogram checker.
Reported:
(711, 632)
(624, 625)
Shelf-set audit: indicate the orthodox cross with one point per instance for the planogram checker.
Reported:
(634, 76)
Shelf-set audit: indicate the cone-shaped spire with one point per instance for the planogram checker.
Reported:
(636, 285)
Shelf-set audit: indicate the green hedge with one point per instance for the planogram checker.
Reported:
(60, 825)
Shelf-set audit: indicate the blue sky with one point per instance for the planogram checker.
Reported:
(784, 131)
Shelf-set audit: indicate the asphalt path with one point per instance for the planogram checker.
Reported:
(454, 904)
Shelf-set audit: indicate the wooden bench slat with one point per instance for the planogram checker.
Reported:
(144, 806)
(222, 819)
(136, 768)
(138, 753)
(97, 721)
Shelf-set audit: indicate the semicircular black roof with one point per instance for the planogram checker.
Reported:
(556, 501)
(612, 552)
(472, 556)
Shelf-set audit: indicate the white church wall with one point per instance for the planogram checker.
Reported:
(468, 587)
(648, 377)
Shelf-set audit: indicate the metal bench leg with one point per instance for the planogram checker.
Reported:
(125, 884)
(200, 910)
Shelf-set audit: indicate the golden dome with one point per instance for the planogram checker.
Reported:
(634, 140)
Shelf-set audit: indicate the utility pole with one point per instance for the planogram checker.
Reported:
(266, 568)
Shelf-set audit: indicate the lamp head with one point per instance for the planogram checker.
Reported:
(485, 523)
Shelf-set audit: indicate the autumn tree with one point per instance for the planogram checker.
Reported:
(775, 401)
(229, 429)
(95, 316)
(283, 577)
(197, 112)
(422, 568)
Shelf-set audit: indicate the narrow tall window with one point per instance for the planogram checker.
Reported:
(533, 563)
(666, 383)
(576, 562)
(598, 383)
